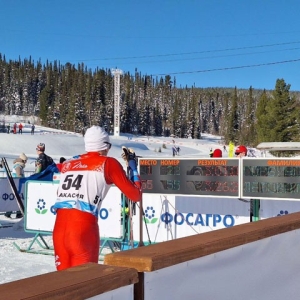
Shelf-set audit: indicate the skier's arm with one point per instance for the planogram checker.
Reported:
(114, 173)
(131, 161)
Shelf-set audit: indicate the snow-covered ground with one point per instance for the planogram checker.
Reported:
(17, 265)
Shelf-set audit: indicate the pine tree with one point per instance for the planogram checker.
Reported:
(278, 117)
(261, 126)
(233, 122)
(248, 136)
(282, 115)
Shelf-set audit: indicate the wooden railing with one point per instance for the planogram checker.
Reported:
(80, 283)
(257, 260)
(171, 258)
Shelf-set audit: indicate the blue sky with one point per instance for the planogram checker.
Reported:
(202, 43)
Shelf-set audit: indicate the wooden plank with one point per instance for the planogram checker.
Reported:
(76, 283)
(169, 253)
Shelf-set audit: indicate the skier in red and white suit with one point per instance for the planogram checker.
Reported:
(84, 183)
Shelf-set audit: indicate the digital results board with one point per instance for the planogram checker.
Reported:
(277, 178)
(215, 177)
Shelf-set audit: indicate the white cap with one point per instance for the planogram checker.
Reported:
(23, 156)
(96, 139)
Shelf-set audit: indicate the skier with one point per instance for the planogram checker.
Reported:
(84, 183)
(174, 149)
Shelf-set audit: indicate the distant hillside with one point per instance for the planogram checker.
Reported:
(72, 98)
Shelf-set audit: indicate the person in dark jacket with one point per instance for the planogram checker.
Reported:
(32, 129)
(43, 160)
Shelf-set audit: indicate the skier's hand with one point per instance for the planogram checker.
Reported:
(131, 160)
(129, 156)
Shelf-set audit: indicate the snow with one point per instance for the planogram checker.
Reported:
(16, 264)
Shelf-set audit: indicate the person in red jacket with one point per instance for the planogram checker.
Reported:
(84, 183)
(20, 128)
(15, 128)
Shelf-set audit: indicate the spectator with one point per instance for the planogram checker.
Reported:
(20, 128)
(19, 165)
(8, 129)
(18, 171)
(43, 160)
(217, 153)
(240, 151)
(15, 128)
(32, 129)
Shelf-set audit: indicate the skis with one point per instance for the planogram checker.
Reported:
(12, 185)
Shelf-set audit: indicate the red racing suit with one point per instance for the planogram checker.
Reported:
(84, 183)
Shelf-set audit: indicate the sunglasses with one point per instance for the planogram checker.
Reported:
(108, 144)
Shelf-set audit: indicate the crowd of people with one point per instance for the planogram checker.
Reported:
(240, 151)
(18, 128)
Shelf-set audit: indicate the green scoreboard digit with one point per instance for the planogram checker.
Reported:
(202, 177)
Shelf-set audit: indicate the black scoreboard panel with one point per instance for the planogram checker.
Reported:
(271, 178)
(216, 177)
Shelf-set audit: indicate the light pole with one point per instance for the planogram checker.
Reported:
(117, 73)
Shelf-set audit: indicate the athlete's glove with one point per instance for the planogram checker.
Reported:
(129, 156)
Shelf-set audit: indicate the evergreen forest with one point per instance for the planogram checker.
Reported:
(70, 97)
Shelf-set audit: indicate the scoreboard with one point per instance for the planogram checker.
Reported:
(277, 178)
(216, 177)
(249, 178)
